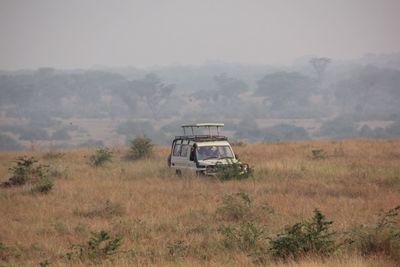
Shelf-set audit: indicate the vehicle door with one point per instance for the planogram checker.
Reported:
(188, 162)
(176, 161)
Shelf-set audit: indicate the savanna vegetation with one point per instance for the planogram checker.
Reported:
(314, 98)
(307, 203)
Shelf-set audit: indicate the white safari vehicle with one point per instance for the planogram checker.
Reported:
(201, 153)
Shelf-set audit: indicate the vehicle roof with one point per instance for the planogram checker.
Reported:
(213, 143)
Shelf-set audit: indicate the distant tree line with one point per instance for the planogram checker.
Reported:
(342, 98)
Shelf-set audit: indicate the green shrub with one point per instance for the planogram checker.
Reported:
(99, 247)
(246, 237)
(304, 238)
(100, 157)
(27, 170)
(382, 238)
(141, 147)
(233, 170)
(43, 185)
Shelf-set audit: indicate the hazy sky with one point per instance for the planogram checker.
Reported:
(84, 33)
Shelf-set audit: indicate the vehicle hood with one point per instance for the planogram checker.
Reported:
(218, 161)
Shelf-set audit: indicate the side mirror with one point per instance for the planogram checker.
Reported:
(237, 156)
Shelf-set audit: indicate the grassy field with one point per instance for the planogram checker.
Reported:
(165, 220)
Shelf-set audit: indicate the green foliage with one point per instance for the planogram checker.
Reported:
(43, 185)
(100, 157)
(101, 246)
(233, 170)
(304, 238)
(246, 237)
(382, 238)
(27, 170)
(141, 147)
(23, 171)
(318, 154)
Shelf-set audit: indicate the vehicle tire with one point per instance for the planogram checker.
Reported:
(178, 173)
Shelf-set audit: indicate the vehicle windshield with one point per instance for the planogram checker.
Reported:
(214, 152)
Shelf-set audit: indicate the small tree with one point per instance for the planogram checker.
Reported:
(141, 147)
(28, 171)
(101, 246)
(305, 238)
(101, 156)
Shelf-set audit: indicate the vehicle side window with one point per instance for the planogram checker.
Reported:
(177, 150)
(184, 150)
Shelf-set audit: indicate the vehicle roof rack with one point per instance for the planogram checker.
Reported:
(195, 137)
(200, 138)
(202, 125)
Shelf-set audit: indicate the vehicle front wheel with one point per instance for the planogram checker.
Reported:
(178, 173)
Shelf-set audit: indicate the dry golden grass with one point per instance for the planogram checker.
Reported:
(145, 203)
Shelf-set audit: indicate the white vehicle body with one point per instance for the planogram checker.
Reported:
(199, 154)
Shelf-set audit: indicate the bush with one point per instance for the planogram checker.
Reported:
(27, 171)
(100, 157)
(141, 147)
(233, 170)
(24, 171)
(43, 186)
(304, 238)
(246, 237)
(99, 247)
(382, 238)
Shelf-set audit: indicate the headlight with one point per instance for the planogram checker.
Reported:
(245, 167)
